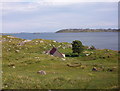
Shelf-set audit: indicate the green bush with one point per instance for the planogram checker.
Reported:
(71, 55)
(77, 46)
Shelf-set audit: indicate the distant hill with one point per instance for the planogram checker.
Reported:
(87, 30)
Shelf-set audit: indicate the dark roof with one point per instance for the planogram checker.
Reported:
(53, 50)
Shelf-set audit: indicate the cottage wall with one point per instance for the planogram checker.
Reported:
(58, 54)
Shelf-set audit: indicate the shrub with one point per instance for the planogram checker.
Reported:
(77, 46)
(71, 55)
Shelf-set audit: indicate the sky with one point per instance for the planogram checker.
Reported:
(53, 15)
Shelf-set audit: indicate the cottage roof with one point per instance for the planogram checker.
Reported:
(53, 50)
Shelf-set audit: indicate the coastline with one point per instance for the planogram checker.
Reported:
(86, 30)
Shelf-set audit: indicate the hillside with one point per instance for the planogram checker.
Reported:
(86, 30)
(22, 59)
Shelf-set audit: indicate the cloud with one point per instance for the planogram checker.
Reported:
(30, 5)
(57, 21)
(58, 1)
(19, 6)
(37, 17)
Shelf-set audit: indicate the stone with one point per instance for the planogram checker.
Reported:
(92, 52)
(10, 37)
(41, 72)
(87, 54)
(54, 41)
(63, 59)
(41, 41)
(82, 67)
(94, 69)
(13, 66)
(17, 51)
(2, 72)
(63, 47)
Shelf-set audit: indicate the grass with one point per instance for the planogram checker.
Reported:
(20, 67)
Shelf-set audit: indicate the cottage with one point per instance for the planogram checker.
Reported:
(55, 53)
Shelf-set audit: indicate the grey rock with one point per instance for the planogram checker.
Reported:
(41, 72)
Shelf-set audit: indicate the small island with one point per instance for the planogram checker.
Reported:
(86, 30)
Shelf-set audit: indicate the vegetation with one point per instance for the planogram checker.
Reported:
(77, 46)
(22, 60)
(87, 30)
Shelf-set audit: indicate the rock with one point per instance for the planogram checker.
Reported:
(9, 49)
(63, 59)
(10, 37)
(69, 46)
(13, 66)
(74, 65)
(107, 50)
(2, 72)
(36, 41)
(90, 74)
(111, 69)
(41, 41)
(26, 40)
(94, 69)
(59, 46)
(63, 47)
(87, 54)
(92, 52)
(17, 51)
(54, 41)
(36, 57)
(44, 52)
(23, 42)
(41, 72)
(83, 67)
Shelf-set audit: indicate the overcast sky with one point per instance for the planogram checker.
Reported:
(44, 16)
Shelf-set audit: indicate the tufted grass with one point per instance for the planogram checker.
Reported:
(20, 68)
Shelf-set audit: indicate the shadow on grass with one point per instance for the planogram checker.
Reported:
(74, 55)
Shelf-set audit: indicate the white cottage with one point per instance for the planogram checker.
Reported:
(55, 53)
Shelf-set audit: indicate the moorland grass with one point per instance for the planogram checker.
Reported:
(21, 63)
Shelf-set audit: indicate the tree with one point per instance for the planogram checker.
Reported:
(77, 46)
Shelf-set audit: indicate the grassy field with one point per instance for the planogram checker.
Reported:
(22, 60)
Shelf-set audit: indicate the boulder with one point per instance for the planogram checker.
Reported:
(17, 51)
(94, 69)
(41, 72)
(74, 65)
(63, 59)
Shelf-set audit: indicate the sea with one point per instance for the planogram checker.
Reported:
(101, 40)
